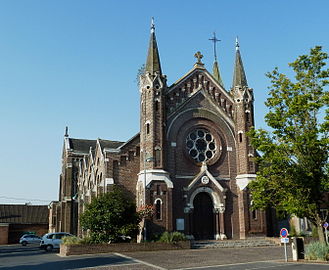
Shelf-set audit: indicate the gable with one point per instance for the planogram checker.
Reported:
(195, 81)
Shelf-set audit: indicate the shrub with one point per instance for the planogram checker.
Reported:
(71, 240)
(317, 251)
(172, 237)
(110, 216)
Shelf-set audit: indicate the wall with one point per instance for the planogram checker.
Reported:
(67, 250)
(4, 228)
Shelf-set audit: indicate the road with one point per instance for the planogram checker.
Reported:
(16, 257)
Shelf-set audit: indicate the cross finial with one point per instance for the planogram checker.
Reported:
(66, 131)
(237, 45)
(198, 56)
(214, 40)
(152, 25)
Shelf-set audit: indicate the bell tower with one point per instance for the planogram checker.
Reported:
(154, 186)
(244, 120)
(152, 87)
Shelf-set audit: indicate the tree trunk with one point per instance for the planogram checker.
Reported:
(319, 224)
(321, 233)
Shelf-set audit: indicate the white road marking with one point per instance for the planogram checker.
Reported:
(225, 265)
(142, 262)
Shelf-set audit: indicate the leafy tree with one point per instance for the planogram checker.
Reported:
(293, 161)
(110, 216)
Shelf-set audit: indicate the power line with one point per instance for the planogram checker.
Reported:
(23, 199)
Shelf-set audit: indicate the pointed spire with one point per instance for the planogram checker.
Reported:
(239, 77)
(215, 69)
(216, 73)
(153, 58)
(66, 131)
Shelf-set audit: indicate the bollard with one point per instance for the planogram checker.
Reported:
(297, 246)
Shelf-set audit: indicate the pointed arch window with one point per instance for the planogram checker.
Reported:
(158, 209)
(240, 136)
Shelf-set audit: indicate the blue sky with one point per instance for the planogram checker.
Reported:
(74, 63)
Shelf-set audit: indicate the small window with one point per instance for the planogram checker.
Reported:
(156, 105)
(240, 137)
(147, 128)
(254, 214)
(158, 190)
(158, 209)
(247, 117)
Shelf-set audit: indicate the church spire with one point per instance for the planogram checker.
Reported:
(239, 77)
(153, 58)
(215, 69)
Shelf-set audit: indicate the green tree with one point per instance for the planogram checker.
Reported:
(293, 161)
(110, 216)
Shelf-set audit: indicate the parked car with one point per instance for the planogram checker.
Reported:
(52, 241)
(29, 239)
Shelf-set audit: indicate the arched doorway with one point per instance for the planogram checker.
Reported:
(203, 217)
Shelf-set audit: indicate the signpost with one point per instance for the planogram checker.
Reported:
(325, 226)
(284, 240)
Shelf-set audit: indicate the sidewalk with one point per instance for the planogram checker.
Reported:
(206, 257)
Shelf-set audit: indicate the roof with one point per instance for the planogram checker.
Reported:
(82, 145)
(23, 214)
(110, 144)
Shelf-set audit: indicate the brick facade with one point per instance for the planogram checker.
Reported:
(192, 149)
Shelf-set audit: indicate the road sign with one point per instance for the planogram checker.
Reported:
(284, 233)
(285, 240)
(325, 225)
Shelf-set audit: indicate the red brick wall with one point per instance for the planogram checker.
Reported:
(4, 229)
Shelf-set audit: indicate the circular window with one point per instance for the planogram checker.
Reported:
(201, 145)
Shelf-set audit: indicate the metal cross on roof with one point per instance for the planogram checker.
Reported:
(214, 40)
(199, 56)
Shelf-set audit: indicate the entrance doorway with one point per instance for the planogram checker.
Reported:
(203, 217)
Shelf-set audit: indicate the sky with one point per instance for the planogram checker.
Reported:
(74, 63)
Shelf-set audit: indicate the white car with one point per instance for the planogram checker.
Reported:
(52, 240)
(29, 239)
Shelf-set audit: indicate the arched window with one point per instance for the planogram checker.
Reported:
(158, 209)
(240, 136)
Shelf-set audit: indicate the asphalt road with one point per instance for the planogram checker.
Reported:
(16, 257)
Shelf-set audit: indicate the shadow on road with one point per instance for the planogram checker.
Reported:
(72, 263)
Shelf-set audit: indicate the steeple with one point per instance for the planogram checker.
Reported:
(239, 77)
(153, 59)
(215, 69)
(216, 73)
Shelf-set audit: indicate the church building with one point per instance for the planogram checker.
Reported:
(191, 160)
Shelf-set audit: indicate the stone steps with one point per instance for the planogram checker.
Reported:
(250, 242)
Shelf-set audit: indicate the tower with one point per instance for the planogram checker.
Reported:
(154, 185)
(244, 120)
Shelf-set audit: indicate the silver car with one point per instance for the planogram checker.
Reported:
(29, 239)
(52, 240)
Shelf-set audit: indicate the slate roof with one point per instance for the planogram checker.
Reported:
(81, 145)
(110, 144)
(23, 214)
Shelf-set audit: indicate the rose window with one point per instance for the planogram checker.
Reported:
(200, 145)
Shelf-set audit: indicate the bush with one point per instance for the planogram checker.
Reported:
(317, 251)
(110, 216)
(172, 237)
(71, 240)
